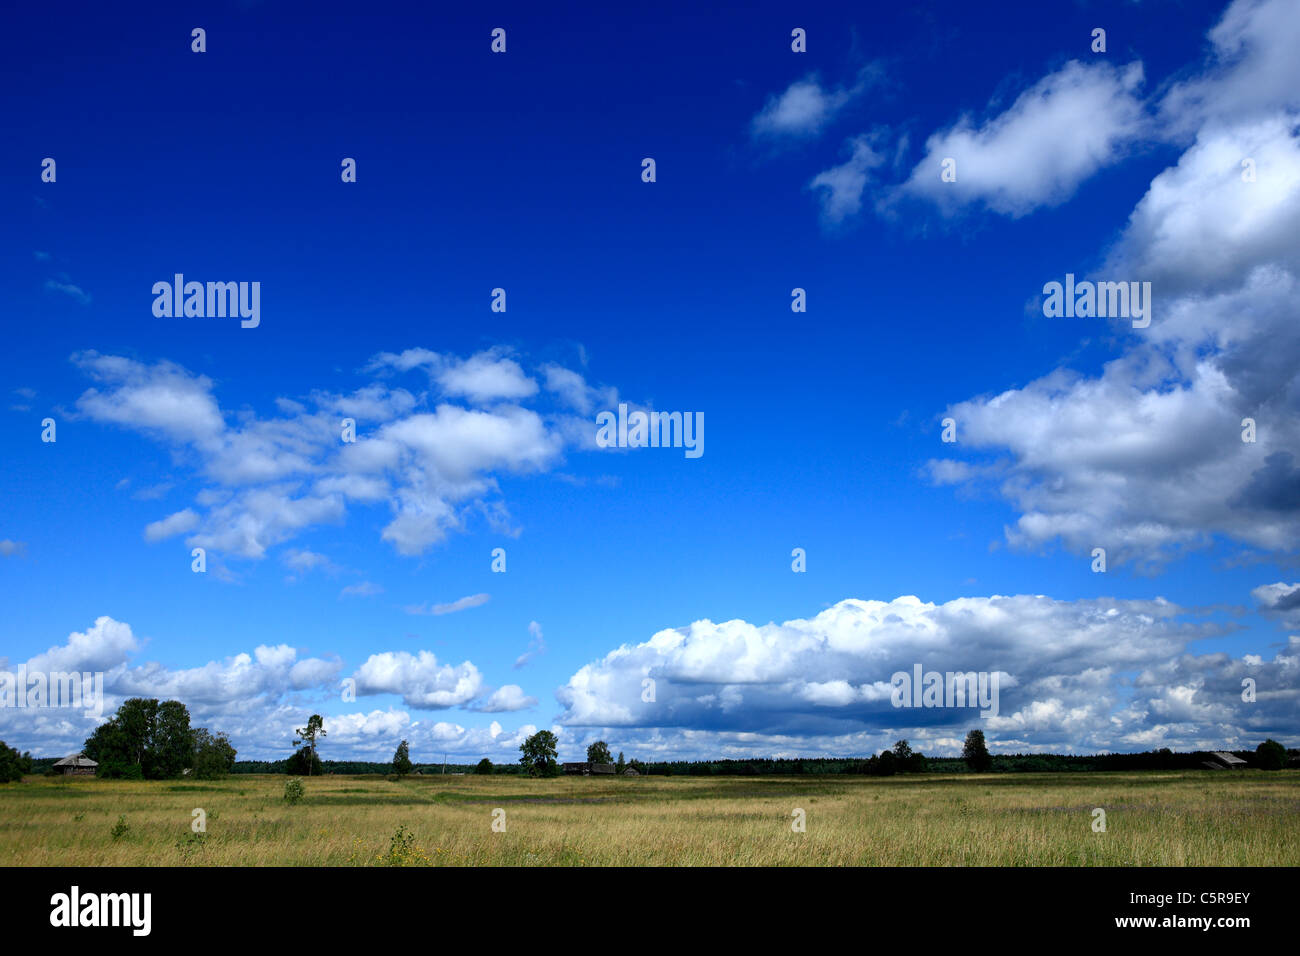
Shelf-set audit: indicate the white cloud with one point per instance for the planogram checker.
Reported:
(361, 589)
(10, 549)
(1253, 70)
(842, 186)
(1056, 134)
(1066, 680)
(804, 109)
(177, 523)
(76, 293)
(510, 697)
(460, 604)
(270, 479)
(536, 646)
(419, 679)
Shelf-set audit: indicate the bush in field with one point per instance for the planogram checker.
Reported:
(120, 828)
(1270, 755)
(293, 791)
(403, 851)
(117, 770)
(13, 764)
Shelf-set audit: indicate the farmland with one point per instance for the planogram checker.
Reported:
(1153, 818)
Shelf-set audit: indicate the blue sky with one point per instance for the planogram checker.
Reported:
(775, 170)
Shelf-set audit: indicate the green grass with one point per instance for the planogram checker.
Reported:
(1153, 818)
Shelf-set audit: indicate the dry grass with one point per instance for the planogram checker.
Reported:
(1246, 818)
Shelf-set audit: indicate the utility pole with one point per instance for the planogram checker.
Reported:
(444, 765)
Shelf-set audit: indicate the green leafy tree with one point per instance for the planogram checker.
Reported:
(599, 753)
(172, 746)
(620, 765)
(214, 757)
(144, 739)
(402, 760)
(538, 753)
(1270, 755)
(308, 735)
(13, 764)
(902, 751)
(484, 766)
(976, 753)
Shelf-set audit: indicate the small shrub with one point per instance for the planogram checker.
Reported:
(293, 791)
(120, 828)
(190, 844)
(402, 850)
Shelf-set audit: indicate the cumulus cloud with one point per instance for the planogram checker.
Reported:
(247, 695)
(1147, 458)
(1058, 133)
(1074, 676)
(180, 522)
(419, 679)
(508, 698)
(433, 461)
(1252, 70)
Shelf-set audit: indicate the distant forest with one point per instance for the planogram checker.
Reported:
(1001, 763)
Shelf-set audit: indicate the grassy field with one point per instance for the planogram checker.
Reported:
(1247, 818)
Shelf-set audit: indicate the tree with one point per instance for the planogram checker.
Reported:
(619, 765)
(304, 762)
(886, 764)
(538, 754)
(307, 735)
(144, 739)
(1270, 755)
(484, 766)
(402, 760)
(214, 757)
(975, 753)
(599, 753)
(172, 746)
(13, 764)
(903, 751)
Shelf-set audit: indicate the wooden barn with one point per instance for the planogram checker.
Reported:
(1224, 761)
(586, 769)
(78, 765)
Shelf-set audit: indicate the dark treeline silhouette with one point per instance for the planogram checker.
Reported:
(880, 765)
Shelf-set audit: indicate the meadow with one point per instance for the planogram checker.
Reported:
(1153, 818)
